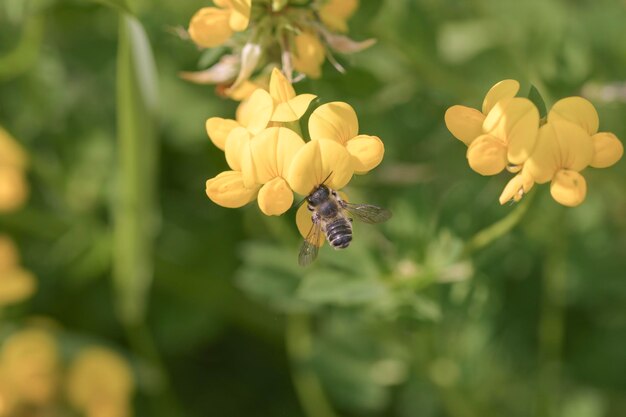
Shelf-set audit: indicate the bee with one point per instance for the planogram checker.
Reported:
(333, 216)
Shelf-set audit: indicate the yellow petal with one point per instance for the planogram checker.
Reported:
(561, 145)
(304, 223)
(14, 189)
(275, 197)
(335, 13)
(293, 109)
(271, 153)
(239, 14)
(281, 89)
(315, 162)
(516, 121)
(16, 285)
(577, 110)
(487, 155)
(517, 187)
(568, 188)
(335, 121)
(209, 27)
(367, 152)
(465, 123)
(309, 54)
(607, 150)
(218, 130)
(256, 111)
(227, 190)
(236, 144)
(505, 89)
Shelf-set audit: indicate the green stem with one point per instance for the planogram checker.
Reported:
(552, 329)
(308, 387)
(500, 228)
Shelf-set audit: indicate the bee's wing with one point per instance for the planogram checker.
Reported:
(366, 213)
(310, 248)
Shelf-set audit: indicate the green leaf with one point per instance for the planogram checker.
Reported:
(325, 286)
(135, 212)
(535, 97)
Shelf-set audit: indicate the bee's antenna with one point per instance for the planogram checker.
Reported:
(327, 178)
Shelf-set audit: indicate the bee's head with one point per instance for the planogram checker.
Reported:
(320, 194)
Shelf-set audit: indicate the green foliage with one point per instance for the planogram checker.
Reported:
(456, 307)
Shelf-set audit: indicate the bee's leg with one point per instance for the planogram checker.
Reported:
(351, 219)
(315, 218)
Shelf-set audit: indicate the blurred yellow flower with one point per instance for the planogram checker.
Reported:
(16, 284)
(567, 144)
(29, 368)
(212, 26)
(14, 189)
(335, 13)
(100, 383)
(309, 54)
(504, 132)
(337, 121)
(517, 187)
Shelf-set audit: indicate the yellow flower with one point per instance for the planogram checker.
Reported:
(100, 383)
(267, 159)
(11, 153)
(244, 90)
(227, 190)
(517, 187)
(567, 144)
(337, 121)
(335, 13)
(309, 54)
(504, 132)
(29, 367)
(318, 160)
(212, 26)
(16, 284)
(14, 189)
(288, 107)
(9, 257)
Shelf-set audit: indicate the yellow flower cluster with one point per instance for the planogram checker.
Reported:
(304, 33)
(508, 134)
(16, 283)
(270, 160)
(98, 383)
(13, 161)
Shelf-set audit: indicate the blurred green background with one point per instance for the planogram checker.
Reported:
(208, 304)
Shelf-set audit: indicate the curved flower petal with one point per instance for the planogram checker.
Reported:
(227, 190)
(577, 110)
(275, 197)
(568, 188)
(236, 144)
(309, 54)
(318, 160)
(487, 155)
(517, 187)
(607, 150)
(465, 123)
(271, 152)
(304, 223)
(218, 130)
(239, 14)
(516, 121)
(209, 27)
(561, 145)
(505, 89)
(281, 89)
(335, 13)
(335, 121)
(256, 111)
(367, 152)
(293, 109)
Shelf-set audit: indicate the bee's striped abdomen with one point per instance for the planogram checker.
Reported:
(339, 233)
